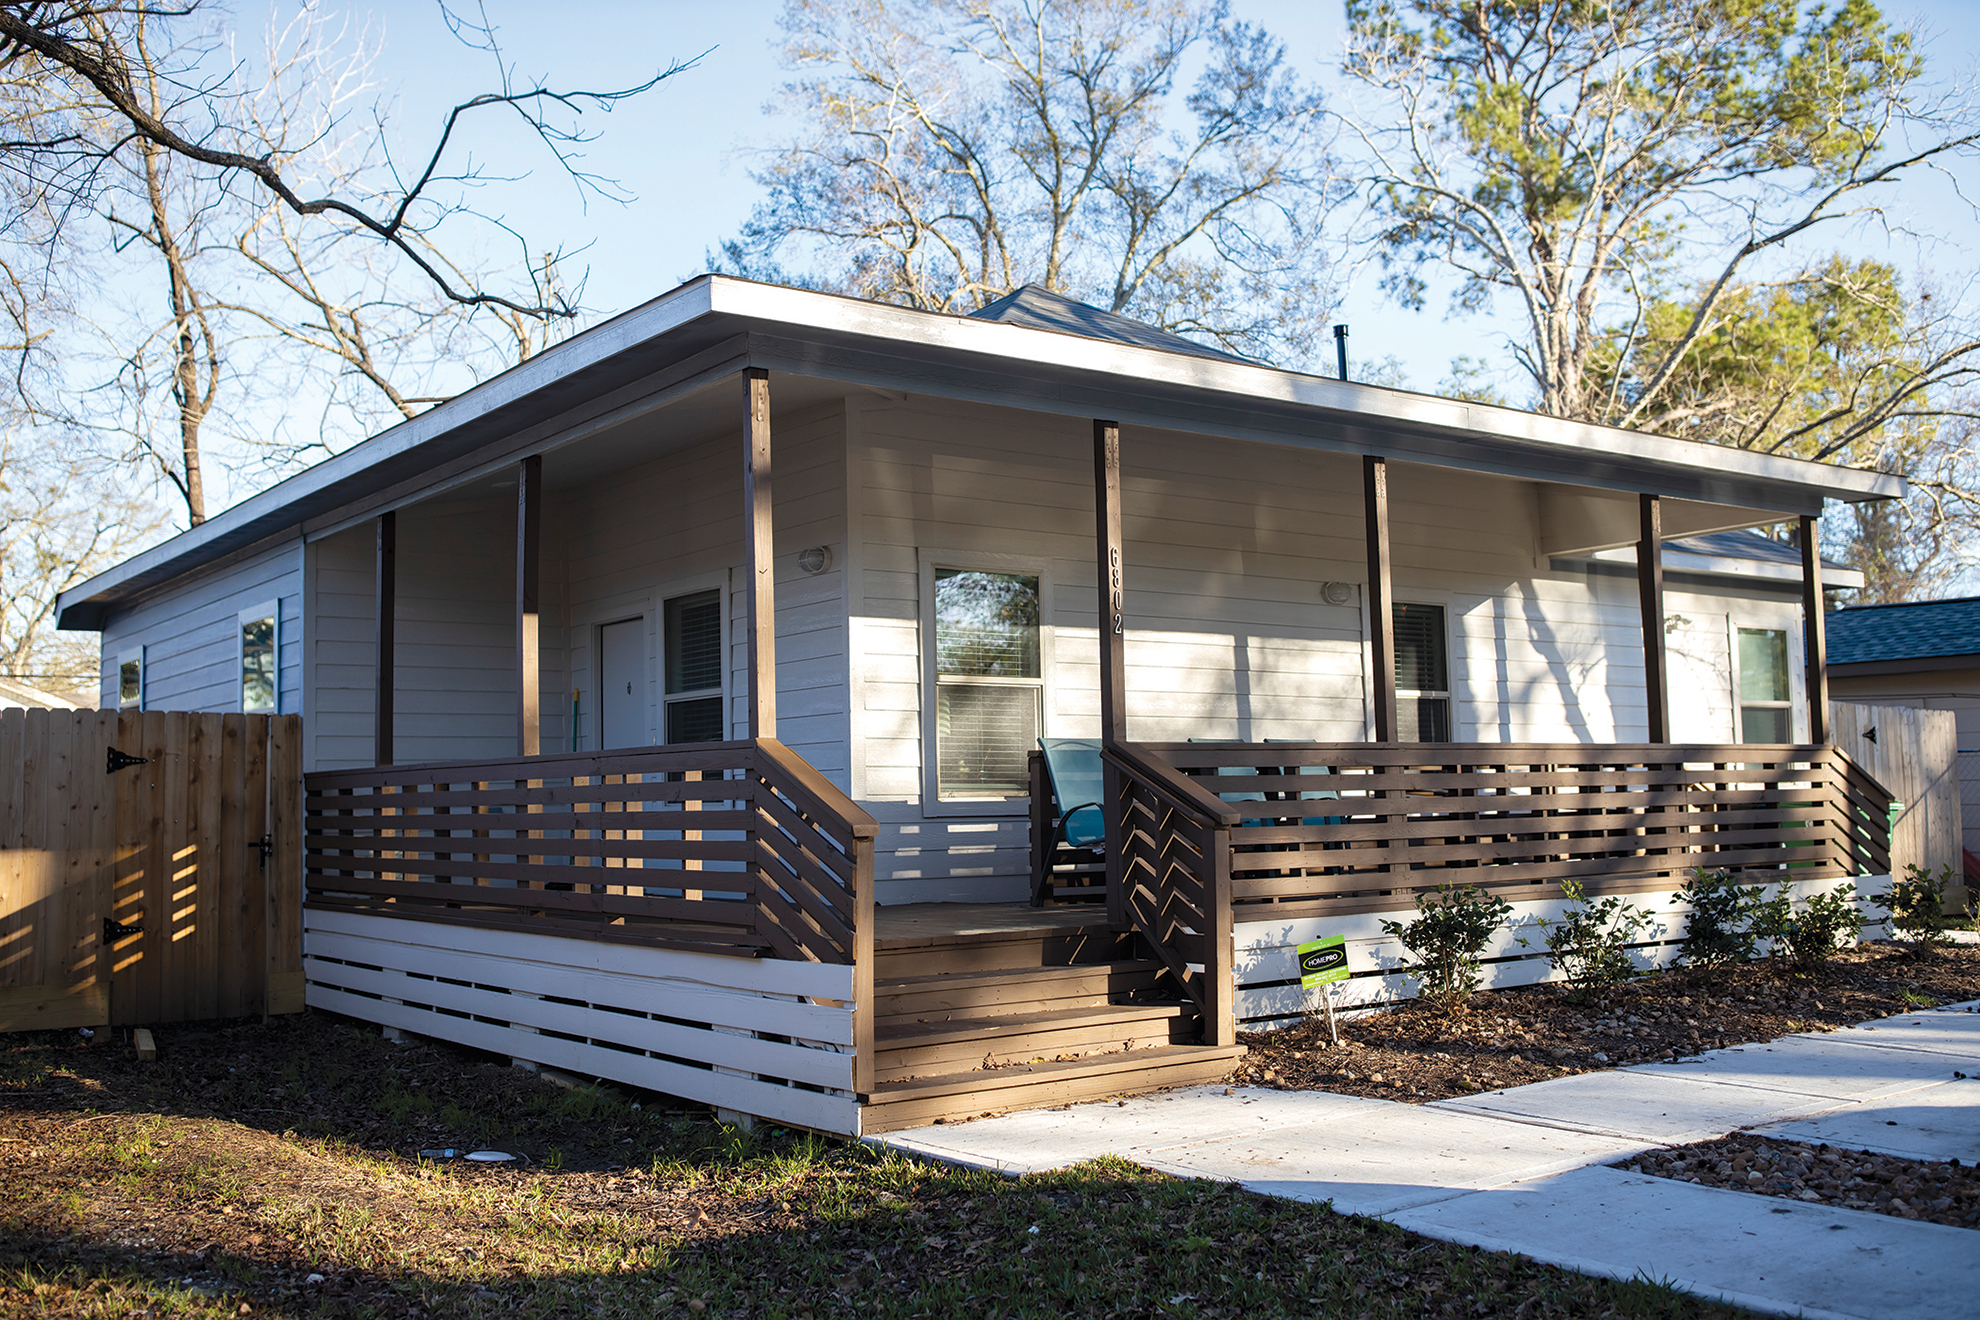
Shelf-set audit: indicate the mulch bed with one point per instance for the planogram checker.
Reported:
(1512, 1037)
(1941, 1193)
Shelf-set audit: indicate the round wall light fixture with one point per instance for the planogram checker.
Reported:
(815, 560)
(1337, 593)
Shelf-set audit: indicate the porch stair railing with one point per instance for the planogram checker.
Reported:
(734, 848)
(1216, 834)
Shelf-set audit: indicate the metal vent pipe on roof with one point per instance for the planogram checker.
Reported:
(1340, 348)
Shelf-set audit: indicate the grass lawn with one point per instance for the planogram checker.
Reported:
(272, 1170)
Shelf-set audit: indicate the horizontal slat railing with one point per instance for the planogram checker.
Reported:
(1319, 828)
(736, 848)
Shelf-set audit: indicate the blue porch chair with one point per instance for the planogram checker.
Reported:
(1074, 820)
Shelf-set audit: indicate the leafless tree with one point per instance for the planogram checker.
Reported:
(254, 195)
(958, 149)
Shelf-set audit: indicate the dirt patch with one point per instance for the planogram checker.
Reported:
(1512, 1037)
(1940, 1193)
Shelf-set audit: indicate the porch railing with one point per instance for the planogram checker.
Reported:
(737, 847)
(1213, 834)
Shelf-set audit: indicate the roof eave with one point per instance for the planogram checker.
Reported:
(1062, 372)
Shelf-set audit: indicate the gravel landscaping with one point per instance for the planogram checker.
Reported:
(1511, 1037)
(1942, 1193)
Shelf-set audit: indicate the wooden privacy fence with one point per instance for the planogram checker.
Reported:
(739, 848)
(1915, 754)
(1215, 834)
(149, 867)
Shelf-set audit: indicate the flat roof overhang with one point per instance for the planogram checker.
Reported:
(714, 326)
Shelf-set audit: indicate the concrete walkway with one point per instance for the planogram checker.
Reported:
(1522, 1170)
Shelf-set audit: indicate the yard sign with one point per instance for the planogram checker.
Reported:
(1323, 961)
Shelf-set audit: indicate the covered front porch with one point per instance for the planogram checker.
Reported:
(752, 964)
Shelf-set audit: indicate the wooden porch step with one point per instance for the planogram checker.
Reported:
(908, 1049)
(974, 1094)
(1011, 989)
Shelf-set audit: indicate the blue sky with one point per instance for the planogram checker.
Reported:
(685, 149)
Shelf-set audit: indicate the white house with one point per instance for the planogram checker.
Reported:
(855, 560)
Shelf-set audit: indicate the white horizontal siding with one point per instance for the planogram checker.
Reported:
(1227, 547)
(191, 635)
(675, 525)
(454, 662)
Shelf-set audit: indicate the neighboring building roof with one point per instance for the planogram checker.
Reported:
(1747, 545)
(15, 694)
(715, 326)
(1930, 630)
(1039, 308)
(1746, 555)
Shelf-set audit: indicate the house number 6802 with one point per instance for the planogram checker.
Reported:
(1114, 587)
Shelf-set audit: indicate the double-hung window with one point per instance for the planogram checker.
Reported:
(1423, 674)
(257, 640)
(1766, 711)
(692, 638)
(989, 682)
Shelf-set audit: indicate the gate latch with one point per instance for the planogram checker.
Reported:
(114, 930)
(266, 843)
(114, 760)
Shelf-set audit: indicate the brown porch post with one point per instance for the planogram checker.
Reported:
(1650, 593)
(1112, 624)
(384, 605)
(1815, 644)
(761, 592)
(1381, 607)
(529, 674)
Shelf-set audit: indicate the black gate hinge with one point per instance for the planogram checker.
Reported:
(114, 760)
(266, 844)
(114, 930)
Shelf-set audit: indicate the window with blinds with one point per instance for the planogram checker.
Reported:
(1423, 674)
(1766, 712)
(989, 683)
(693, 663)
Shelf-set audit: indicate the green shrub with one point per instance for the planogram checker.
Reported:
(1807, 935)
(1720, 931)
(1917, 905)
(1452, 927)
(1589, 944)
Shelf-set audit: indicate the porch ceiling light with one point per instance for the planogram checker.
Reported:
(815, 560)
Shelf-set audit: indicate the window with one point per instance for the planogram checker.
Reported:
(989, 682)
(130, 680)
(693, 643)
(1765, 712)
(1423, 674)
(258, 661)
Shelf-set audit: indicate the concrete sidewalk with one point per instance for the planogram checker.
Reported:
(1521, 1170)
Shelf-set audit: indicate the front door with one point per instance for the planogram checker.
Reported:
(622, 684)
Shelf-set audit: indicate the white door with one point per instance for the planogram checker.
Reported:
(622, 684)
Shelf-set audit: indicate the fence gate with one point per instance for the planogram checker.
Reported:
(150, 867)
(1915, 754)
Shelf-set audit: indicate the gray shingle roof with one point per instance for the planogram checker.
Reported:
(1745, 545)
(1038, 308)
(1870, 633)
